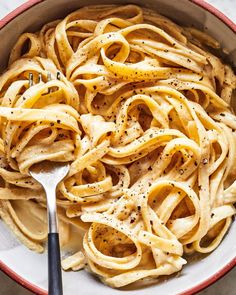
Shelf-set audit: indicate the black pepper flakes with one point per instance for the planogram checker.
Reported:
(205, 161)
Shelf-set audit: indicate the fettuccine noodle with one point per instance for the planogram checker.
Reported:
(141, 109)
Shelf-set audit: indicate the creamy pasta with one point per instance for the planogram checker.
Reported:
(141, 109)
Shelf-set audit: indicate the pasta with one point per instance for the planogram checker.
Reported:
(141, 109)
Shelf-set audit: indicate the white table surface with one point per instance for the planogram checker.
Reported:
(226, 285)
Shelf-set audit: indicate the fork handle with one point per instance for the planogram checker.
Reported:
(54, 265)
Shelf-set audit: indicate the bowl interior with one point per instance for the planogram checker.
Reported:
(183, 12)
(32, 266)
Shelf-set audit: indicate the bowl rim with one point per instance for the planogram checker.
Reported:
(193, 290)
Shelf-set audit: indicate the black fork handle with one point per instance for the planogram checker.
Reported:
(54, 265)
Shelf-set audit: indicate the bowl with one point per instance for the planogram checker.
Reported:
(29, 268)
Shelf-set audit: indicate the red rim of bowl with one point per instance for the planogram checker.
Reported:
(189, 291)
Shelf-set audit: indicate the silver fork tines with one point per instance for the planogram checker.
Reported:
(40, 78)
(31, 81)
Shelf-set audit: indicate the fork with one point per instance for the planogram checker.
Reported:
(40, 78)
(49, 174)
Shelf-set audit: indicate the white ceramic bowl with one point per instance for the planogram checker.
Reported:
(29, 268)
